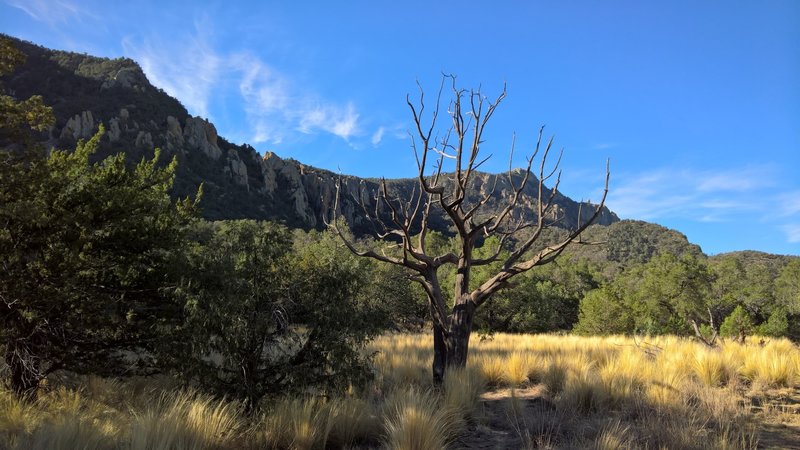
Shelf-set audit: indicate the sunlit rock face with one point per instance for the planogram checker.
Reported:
(237, 181)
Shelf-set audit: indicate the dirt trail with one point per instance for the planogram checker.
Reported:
(499, 425)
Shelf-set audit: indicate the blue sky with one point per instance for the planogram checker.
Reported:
(697, 104)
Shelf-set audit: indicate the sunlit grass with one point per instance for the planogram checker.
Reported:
(462, 389)
(416, 420)
(299, 424)
(612, 392)
(186, 420)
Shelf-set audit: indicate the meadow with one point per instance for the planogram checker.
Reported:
(518, 391)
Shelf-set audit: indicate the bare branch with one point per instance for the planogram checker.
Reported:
(459, 142)
(513, 266)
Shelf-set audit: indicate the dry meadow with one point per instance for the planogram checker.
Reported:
(518, 391)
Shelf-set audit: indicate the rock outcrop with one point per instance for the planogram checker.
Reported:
(144, 140)
(127, 78)
(114, 131)
(200, 134)
(237, 169)
(80, 126)
(238, 182)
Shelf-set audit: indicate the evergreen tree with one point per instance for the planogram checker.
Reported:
(268, 318)
(87, 252)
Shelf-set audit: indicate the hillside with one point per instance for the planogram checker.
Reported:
(87, 91)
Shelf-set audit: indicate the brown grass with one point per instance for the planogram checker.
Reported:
(603, 393)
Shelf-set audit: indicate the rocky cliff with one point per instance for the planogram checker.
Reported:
(87, 91)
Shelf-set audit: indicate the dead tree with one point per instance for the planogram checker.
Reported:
(404, 222)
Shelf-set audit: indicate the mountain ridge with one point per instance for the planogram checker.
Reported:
(86, 91)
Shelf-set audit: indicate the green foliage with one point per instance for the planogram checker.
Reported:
(662, 296)
(604, 311)
(737, 325)
(10, 56)
(776, 326)
(266, 317)
(86, 249)
(740, 282)
(88, 252)
(636, 242)
(399, 302)
(543, 300)
(670, 292)
(787, 287)
(19, 118)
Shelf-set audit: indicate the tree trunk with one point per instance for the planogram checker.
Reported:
(463, 311)
(25, 379)
(460, 330)
(451, 349)
(440, 354)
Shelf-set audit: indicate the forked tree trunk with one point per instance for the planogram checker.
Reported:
(460, 330)
(450, 349)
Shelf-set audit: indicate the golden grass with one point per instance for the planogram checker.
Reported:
(416, 420)
(298, 424)
(613, 436)
(462, 390)
(352, 421)
(185, 420)
(517, 368)
(605, 393)
(492, 368)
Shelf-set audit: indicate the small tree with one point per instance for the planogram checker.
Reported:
(87, 252)
(406, 220)
(738, 325)
(666, 295)
(84, 248)
(266, 318)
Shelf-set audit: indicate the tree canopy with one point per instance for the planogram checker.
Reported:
(86, 250)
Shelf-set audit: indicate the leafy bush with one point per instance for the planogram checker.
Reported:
(777, 325)
(266, 317)
(737, 325)
(88, 252)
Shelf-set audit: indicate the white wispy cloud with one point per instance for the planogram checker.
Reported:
(187, 69)
(790, 202)
(193, 71)
(377, 136)
(50, 11)
(604, 145)
(274, 106)
(267, 99)
(702, 195)
(792, 233)
(753, 194)
(731, 181)
(337, 120)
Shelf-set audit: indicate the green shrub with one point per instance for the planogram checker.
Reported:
(737, 325)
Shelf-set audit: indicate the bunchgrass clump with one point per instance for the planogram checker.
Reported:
(186, 420)
(353, 421)
(462, 389)
(415, 419)
(554, 377)
(492, 369)
(517, 369)
(298, 424)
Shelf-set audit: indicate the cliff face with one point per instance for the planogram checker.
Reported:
(87, 91)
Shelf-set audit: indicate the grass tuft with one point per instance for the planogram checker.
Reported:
(416, 421)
